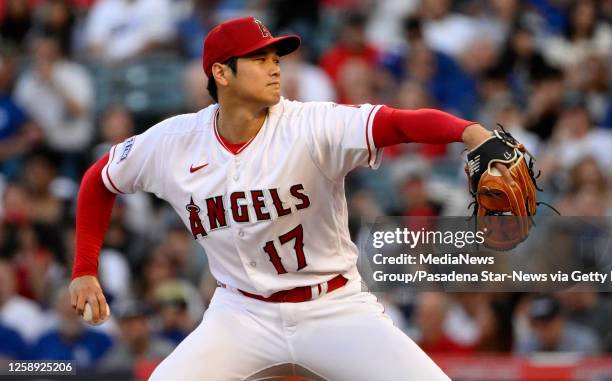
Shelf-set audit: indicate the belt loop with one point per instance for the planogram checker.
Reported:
(314, 290)
(324, 286)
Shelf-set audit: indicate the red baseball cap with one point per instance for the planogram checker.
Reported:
(239, 37)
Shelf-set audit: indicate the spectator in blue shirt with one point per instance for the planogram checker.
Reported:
(17, 133)
(71, 339)
(12, 346)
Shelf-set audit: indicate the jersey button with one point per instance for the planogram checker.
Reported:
(240, 233)
(253, 264)
(236, 176)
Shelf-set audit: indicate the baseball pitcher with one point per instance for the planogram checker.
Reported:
(259, 182)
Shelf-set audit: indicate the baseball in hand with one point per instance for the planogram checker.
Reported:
(88, 314)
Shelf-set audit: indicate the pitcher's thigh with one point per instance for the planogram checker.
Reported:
(364, 348)
(226, 346)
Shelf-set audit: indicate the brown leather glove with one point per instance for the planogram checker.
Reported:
(503, 210)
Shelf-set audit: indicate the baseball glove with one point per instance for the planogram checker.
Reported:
(503, 210)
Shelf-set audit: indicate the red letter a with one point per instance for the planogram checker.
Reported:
(194, 220)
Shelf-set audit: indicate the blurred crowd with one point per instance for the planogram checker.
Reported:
(78, 76)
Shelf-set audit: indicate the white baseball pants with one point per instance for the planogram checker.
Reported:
(341, 336)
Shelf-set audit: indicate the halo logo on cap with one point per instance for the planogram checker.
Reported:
(264, 31)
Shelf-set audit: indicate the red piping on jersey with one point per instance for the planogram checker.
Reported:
(234, 149)
(392, 126)
(368, 137)
(107, 173)
(93, 213)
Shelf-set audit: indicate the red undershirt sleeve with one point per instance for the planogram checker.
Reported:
(94, 208)
(393, 126)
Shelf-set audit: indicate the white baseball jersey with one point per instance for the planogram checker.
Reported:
(272, 216)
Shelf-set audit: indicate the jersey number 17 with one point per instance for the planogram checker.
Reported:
(297, 235)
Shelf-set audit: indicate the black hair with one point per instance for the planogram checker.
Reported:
(413, 27)
(495, 73)
(570, 29)
(356, 20)
(212, 85)
(46, 155)
(543, 72)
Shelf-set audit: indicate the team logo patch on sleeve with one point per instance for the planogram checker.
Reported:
(127, 147)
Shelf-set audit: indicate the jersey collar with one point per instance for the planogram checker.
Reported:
(273, 113)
